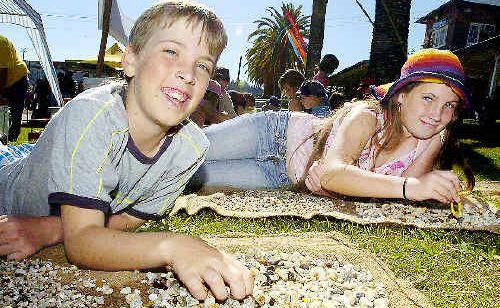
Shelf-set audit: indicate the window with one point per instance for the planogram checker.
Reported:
(438, 36)
(479, 32)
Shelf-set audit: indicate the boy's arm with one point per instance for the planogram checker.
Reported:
(124, 222)
(22, 236)
(89, 244)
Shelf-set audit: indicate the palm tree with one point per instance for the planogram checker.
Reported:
(317, 33)
(271, 53)
(390, 39)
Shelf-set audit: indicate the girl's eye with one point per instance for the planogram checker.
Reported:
(449, 105)
(170, 52)
(428, 98)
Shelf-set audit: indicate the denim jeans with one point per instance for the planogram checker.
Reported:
(248, 151)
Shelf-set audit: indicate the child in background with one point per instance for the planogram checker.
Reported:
(326, 67)
(208, 112)
(272, 104)
(313, 98)
(289, 84)
(118, 154)
(385, 148)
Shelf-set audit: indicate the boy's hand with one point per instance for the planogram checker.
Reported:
(197, 264)
(21, 237)
(438, 185)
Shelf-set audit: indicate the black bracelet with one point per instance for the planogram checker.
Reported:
(404, 189)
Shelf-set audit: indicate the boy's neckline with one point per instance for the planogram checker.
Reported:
(141, 157)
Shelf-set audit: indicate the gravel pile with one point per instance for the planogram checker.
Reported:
(281, 279)
(260, 203)
(36, 283)
(472, 217)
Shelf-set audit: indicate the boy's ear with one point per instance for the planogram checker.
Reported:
(129, 61)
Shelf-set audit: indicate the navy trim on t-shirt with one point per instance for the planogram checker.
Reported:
(142, 215)
(143, 158)
(62, 198)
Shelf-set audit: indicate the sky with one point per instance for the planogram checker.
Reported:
(71, 27)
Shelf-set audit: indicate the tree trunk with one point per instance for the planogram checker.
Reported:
(390, 40)
(316, 36)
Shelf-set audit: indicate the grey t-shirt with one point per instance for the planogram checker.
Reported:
(86, 157)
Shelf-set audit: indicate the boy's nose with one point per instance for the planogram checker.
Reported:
(187, 74)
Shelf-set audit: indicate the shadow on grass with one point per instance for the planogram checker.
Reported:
(481, 165)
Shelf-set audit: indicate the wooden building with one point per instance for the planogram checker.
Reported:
(470, 29)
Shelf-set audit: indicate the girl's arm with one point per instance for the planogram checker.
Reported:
(339, 174)
(425, 161)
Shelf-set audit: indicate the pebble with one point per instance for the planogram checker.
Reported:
(281, 279)
(304, 205)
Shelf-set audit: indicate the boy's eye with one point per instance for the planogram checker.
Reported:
(205, 67)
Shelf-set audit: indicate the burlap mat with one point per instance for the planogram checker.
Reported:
(477, 214)
(329, 246)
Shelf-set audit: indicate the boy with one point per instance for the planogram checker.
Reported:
(289, 83)
(117, 155)
(226, 104)
(314, 99)
(326, 67)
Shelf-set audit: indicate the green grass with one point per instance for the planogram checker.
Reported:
(453, 268)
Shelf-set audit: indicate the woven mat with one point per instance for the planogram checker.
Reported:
(330, 246)
(477, 214)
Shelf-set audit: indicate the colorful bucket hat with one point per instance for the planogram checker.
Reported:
(428, 65)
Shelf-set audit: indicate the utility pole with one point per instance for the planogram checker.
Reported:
(104, 36)
(238, 78)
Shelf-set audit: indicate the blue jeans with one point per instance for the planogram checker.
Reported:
(248, 152)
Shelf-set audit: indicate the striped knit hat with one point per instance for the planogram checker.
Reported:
(428, 65)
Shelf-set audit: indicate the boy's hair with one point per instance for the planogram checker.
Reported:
(166, 12)
(222, 73)
(292, 77)
(328, 63)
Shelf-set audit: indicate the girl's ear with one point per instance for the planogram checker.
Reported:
(129, 61)
(401, 97)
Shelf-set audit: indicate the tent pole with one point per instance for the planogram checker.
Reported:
(104, 36)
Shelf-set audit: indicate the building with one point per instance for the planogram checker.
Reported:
(470, 29)
(461, 23)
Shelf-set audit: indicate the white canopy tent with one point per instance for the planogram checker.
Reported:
(19, 12)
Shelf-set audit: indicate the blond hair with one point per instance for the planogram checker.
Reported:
(165, 13)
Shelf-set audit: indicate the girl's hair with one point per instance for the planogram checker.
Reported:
(450, 153)
(165, 13)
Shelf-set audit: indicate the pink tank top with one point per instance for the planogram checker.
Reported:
(300, 144)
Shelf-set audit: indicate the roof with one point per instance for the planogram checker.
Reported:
(422, 20)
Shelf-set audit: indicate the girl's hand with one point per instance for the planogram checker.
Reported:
(313, 181)
(438, 185)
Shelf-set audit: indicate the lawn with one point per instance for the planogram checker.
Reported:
(453, 268)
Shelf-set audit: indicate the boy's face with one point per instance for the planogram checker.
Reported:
(169, 75)
(287, 90)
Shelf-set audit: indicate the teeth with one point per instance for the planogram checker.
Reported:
(176, 96)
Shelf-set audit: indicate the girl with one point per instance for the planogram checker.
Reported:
(385, 148)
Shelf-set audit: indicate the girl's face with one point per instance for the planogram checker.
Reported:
(427, 109)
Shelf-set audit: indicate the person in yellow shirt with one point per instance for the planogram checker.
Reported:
(13, 84)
